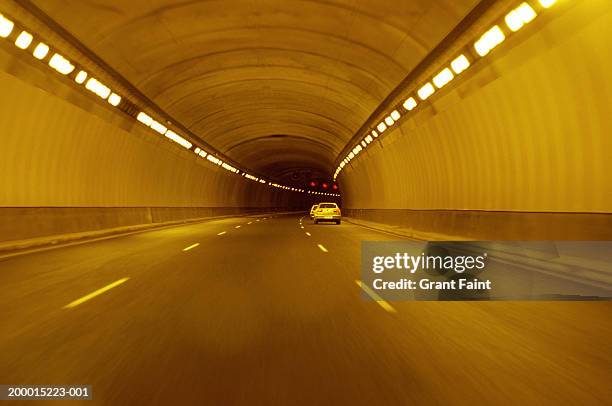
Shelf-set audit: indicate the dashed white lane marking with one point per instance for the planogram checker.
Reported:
(302, 227)
(250, 222)
(191, 246)
(257, 220)
(95, 293)
(322, 248)
(307, 233)
(375, 297)
(237, 226)
(221, 233)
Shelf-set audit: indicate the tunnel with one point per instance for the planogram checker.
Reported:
(169, 170)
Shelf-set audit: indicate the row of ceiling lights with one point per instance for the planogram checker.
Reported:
(514, 21)
(312, 192)
(64, 66)
(41, 51)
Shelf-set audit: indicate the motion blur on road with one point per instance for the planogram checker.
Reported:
(158, 163)
(269, 313)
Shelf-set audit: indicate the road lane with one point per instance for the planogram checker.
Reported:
(262, 316)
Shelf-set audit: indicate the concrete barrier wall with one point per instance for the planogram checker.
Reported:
(20, 223)
(519, 147)
(491, 225)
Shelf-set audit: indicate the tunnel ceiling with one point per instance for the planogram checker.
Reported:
(274, 84)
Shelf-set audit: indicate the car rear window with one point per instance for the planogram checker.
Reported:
(327, 206)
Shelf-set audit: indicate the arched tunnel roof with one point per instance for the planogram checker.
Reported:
(276, 85)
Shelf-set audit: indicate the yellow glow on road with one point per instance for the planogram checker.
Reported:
(191, 246)
(322, 248)
(95, 293)
(376, 298)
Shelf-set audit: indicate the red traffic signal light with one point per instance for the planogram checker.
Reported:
(325, 185)
(313, 184)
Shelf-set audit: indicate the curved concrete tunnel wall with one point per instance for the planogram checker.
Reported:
(521, 148)
(65, 169)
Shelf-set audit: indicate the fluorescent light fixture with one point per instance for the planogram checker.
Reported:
(460, 63)
(381, 127)
(98, 88)
(364, 144)
(6, 26)
(159, 127)
(114, 99)
(519, 17)
(425, 91)
(41, 51)
(489, 40)
(144, 118)
(351, 155)
(61, 64)
(410, 103)
(374, 134)
(24, 40)
(395, 115)
(80, 77)
(369, 138)
(389, 121)
(178, 139)
(443, 78)
(547, 3)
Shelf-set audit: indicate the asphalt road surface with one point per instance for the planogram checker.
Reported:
(250, 311)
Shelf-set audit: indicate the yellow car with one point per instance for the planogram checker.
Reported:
(312, 210)
(327, 212)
